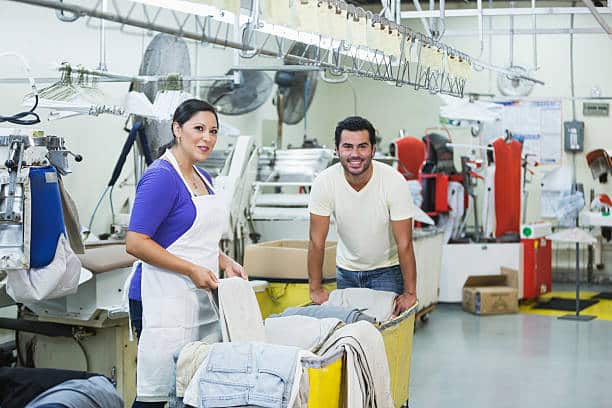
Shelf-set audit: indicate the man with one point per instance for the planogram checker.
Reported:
(373, 209)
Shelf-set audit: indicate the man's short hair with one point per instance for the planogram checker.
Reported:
(355, 123)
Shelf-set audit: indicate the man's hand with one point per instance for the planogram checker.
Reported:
(203, 278)
(319, 295)
(233, 268)
(403, 302)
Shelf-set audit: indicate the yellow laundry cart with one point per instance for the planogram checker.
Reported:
(327, 377)
(397, 334)
(277, 295)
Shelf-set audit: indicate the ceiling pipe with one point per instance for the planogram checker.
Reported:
(603, 23)
(417, 5)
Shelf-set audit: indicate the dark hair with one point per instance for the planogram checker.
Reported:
(355, 123)
(183, 113)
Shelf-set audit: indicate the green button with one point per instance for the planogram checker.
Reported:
(527, 231)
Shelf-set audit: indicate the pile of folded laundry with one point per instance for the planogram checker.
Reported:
(260, 363)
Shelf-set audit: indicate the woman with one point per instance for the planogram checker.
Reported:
(175, 228)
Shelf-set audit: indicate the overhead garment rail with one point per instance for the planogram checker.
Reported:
(597, 12)
(359, 43)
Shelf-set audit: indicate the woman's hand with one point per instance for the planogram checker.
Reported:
(233, 268)
(203, 278)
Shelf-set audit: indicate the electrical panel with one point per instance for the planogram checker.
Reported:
(574, 136)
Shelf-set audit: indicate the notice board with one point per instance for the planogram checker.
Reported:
(538, 124)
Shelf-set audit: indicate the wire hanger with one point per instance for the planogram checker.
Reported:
(508, 138)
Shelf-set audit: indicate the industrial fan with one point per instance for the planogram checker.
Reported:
(248, 94)
(295, 93)
(165, 54)
(512, 84)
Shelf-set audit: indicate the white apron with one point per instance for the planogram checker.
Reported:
(175, 312)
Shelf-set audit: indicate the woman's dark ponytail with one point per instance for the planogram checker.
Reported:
(162, 149)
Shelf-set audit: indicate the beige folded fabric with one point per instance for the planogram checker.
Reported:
(367, 370)
(239, 311)
(190, 359)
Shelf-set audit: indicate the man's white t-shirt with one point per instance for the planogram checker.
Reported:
(363, 217)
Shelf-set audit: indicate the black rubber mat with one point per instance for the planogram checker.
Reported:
(603, 295)
(569, 305)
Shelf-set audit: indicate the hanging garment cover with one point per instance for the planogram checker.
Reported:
(57, 279)
(175, 312)
(54, 270)
(507, 186)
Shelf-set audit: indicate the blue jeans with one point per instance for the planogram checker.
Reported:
(239, 374)
(389, 279)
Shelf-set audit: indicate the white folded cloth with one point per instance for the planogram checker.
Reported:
(305, 332)
(375, 303)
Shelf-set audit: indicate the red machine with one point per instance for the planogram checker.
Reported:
(537, 267)
(430, 162)
(411, 156)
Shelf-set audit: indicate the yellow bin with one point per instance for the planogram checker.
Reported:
(326, 378)
(325, 381)
(275, 297)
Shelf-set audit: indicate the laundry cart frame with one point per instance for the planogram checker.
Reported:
(428, 255)
(326, 376)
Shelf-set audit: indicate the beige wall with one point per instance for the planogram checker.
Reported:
(36, 33)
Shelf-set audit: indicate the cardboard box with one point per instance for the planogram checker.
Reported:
(491, 294)
(285, 259)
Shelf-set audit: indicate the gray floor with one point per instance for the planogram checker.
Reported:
(462, 360)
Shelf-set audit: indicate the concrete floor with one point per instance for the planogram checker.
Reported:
(521, 360)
